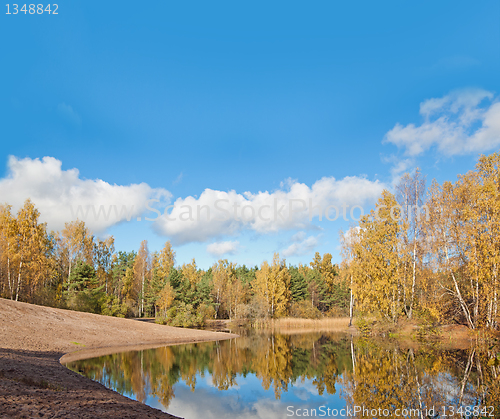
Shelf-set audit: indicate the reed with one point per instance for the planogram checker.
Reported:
(327, 323)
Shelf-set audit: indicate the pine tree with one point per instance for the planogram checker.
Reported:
(84, 293)
(298, 284)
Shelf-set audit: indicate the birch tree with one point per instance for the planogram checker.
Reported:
(348, 242)
(272, 284)
(75, 242)
(31, 250)
(378, 288)
(8, 233)
(410, 196)
(142, 268)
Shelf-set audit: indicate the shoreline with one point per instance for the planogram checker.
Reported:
(35, 341)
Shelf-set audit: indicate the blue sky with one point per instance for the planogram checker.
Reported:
(197, 101)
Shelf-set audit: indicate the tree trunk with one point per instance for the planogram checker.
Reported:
(353, 359)
(351, 305)
(142, 296)
(468, 369)
(19, 279)
(412, 298)
(495, 304)
(9, 279)
(415, 228)
(476, 294)
(476, 305)
(465, 309)
(69, 271)
(419, 391)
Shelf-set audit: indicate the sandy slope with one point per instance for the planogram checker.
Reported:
(34, 384)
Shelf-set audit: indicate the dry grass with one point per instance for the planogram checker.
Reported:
(333, 324)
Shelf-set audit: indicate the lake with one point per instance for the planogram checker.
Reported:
(276, 375)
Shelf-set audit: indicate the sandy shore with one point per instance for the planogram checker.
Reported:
(34, 384)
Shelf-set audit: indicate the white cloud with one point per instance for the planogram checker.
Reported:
(257, 403)
(299, 236)
(461, 122)
(62, 196)
(351, 234)
(301, 246)
(399, 166)
(221, 248)
(294, 206)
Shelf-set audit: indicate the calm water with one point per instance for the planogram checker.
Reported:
(264, 375)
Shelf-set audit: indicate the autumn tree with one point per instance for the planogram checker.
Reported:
(191, 272)
(349, 241)
(75, 242)
(326, 268)
(377, 288)
(129, 291)
(142, 270)
(8, 229)
(103, 258)
(223, 276)
(272, 285)
(410, 196)
(463, 231)
(165, 298)
(165, 261)
(30, 251)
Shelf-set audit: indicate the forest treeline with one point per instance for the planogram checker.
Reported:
(427, 253)
(432, 253)
(75, 269)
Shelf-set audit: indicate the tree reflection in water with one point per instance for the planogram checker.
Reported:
(368, 373)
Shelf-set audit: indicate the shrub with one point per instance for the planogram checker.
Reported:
(364, 326)
(111, 306)
(305, 310)
(184, 315)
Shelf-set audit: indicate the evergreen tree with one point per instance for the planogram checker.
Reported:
(84, 293)
(298, 284)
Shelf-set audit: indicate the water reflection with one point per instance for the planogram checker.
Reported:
(262, 374)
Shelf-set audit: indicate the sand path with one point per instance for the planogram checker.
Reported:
(34, 384)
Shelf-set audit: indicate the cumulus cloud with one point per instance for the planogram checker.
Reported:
(62, 196)
(222, 248)
(461, 122)
(399, 166)
(351, 234)
(301, 246)
(299, 236)
(294, 206)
